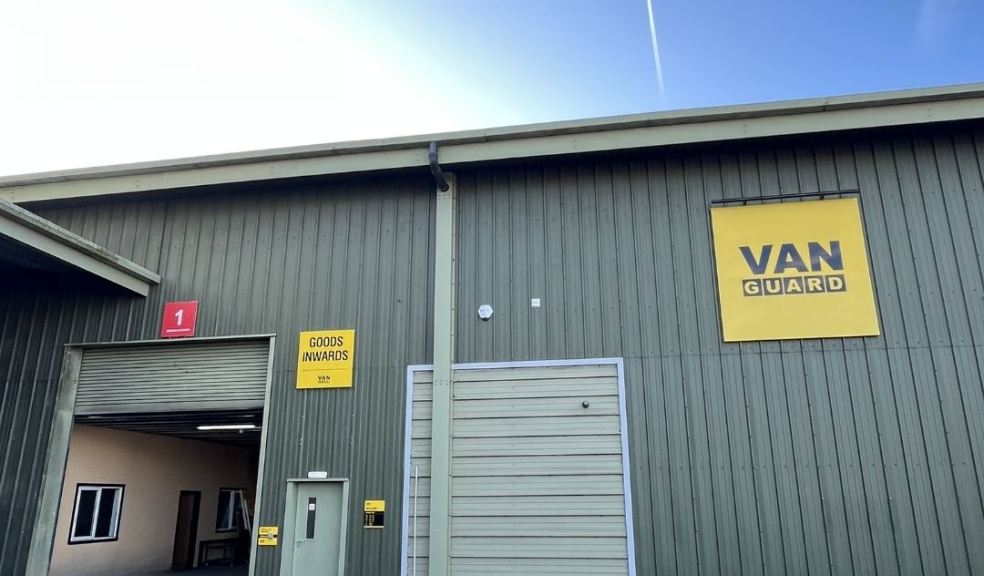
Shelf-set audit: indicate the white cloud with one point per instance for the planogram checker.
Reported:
(111, 81)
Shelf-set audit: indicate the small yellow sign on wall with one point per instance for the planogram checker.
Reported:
(373, 513)
(793, 270)
(325, 359)
(267, 535)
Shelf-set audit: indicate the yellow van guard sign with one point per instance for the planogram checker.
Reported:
(793, 270)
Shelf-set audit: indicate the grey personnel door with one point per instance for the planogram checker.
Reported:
(314, 528)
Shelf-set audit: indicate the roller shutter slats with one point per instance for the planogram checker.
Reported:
(537, 484)
(170, 377)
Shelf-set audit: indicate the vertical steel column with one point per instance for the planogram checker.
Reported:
(43, 539)
(261, 468)
(444, 315)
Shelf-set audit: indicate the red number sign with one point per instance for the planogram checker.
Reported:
(179, 319)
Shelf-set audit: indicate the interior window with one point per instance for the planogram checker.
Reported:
(230, 505)
(97, 513)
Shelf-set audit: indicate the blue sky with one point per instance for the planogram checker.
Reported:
(112, 81)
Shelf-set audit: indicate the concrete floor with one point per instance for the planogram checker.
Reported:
(205, 571)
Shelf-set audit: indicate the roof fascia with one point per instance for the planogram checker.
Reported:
(49, 238)
(912, 107)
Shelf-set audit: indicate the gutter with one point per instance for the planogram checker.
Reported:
(909, 107)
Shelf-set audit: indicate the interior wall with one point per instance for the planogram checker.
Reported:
(154, 469)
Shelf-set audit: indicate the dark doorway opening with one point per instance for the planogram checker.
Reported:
(186, 530)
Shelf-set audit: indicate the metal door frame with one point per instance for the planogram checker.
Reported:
(623, 431)
(60, 435)
(290, 509)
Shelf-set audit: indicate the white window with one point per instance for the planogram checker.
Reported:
(230, 504)
(97, 513)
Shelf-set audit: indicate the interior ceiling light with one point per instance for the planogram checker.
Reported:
(227, 427)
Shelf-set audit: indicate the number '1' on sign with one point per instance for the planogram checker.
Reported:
(179, 319)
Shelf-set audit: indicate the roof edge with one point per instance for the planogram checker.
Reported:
(663, 128)
(45, 236)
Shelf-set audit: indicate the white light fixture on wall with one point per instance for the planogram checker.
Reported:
(227, 427)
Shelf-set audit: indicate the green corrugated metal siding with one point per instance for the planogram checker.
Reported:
(817, 456)
(271, 259)
(832, 456)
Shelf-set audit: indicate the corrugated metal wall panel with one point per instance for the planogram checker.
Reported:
(843, 456)
(833, 456)
(270, 259)
(170, 377)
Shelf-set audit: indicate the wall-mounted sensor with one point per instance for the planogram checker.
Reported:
(485, 311)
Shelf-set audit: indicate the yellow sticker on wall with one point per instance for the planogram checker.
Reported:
(793, 270)
(325, 359)
(373, 515)
(267, 535)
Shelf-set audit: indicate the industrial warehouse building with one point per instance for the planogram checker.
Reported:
(737, 340)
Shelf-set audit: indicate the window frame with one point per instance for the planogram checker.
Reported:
(115, 522)
(238, 495)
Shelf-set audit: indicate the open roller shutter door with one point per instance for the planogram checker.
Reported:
(173, 376)
(537, 481)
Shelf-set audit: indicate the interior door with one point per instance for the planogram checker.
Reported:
(186, 530)
(316, 530)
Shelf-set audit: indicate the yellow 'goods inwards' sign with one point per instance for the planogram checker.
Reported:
(325, 359)
(793, 270)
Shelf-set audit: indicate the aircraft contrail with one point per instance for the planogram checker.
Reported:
(659, 65)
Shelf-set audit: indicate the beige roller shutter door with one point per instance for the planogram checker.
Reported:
(537, 481)
(173, 376)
